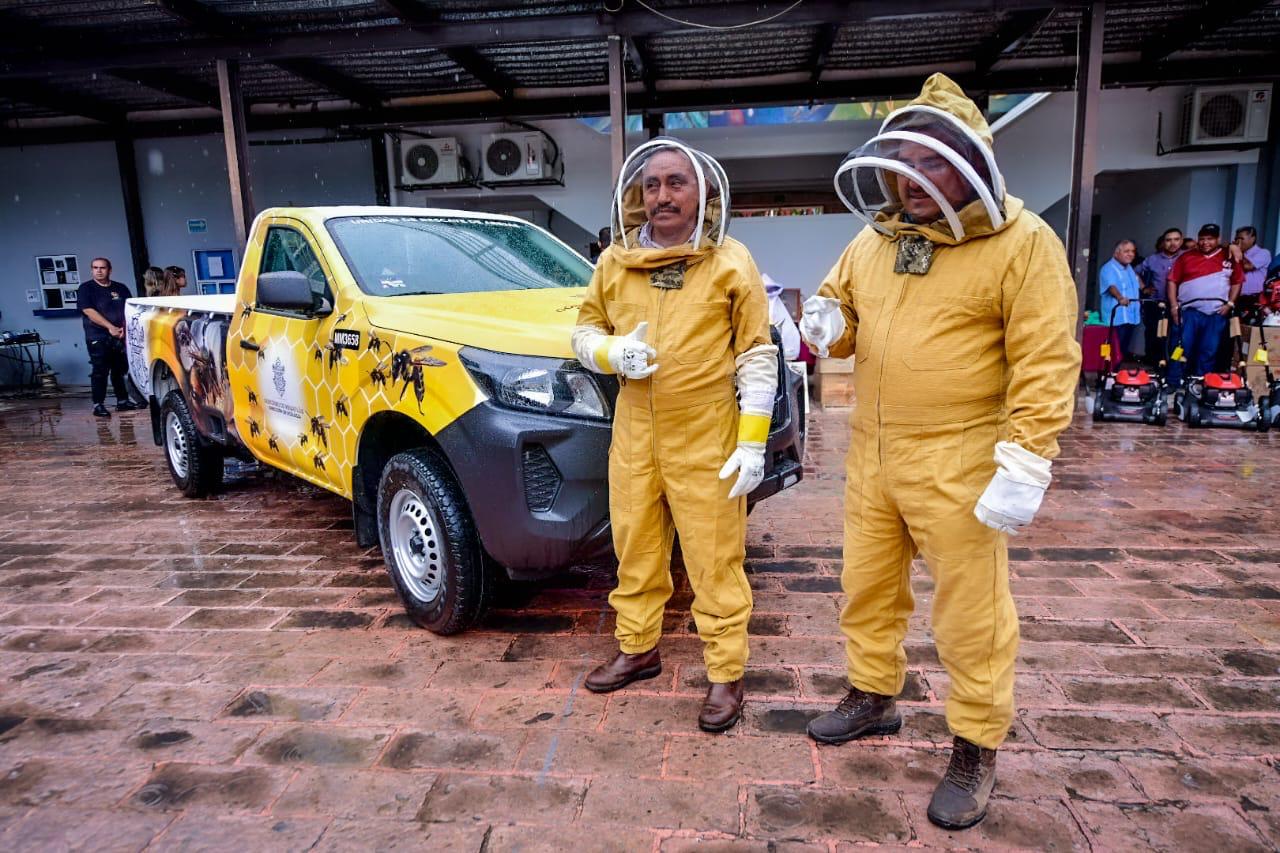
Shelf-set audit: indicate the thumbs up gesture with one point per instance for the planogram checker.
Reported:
(629, 355)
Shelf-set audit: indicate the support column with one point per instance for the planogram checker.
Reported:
(617, 106)
(381, 171)
(653, 123)
(127, 165)
(1266, 198)
(237, 143)
(1084, 148)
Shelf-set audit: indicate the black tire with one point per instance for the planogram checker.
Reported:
(1264, 413)
(196, 467)
(1193, 412)
(425, 527)
(1097, 408)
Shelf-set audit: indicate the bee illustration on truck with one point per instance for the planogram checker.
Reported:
(318, 427)
(406, 367)
(506, 469)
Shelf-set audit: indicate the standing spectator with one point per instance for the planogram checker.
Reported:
(1120, 293)
(153, 282)
(1205, 272)
(1154, 272)
(175, 279)
(101, 301)
(603, 238)
(1188, 243)
(1255, 260)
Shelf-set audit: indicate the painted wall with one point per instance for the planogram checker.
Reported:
(181, 179)
(66, 199)
(1034, 151)
(798, 251)
(59, 199)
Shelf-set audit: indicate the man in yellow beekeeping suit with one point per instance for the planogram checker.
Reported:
(960, 309)
(678, 311)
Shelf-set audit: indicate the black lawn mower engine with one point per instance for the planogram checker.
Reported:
(1131, 395)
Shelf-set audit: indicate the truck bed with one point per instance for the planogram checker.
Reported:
(222, 303)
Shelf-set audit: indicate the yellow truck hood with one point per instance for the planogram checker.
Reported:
(522, 322)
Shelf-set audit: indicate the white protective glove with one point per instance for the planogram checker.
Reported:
(629, 355)
(821, 323)
(748, 461)
(1013, 496)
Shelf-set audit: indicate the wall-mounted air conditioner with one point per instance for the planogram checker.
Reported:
(1226, 115)
(424, 162)
(520, 156)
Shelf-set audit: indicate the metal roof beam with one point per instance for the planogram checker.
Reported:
(1012, 33)
(634, 22)
(471, 61)
(170, 84)
(66, 103)
(822, 50)
(467, 58)
(208, 20)
(1184, 32)
(640, 59)
(22, 31)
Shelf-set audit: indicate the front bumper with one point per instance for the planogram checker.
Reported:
(537, 486)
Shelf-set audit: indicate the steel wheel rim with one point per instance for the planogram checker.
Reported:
(176, 443)
(416, 546)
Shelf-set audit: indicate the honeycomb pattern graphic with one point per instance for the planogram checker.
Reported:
(336, 389)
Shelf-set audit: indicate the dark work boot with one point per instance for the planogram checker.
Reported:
(623, 670)
(100, 411)
(960, 800)
(722, 708)
(858, 714)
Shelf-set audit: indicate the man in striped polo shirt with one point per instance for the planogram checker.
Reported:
(1207, 271)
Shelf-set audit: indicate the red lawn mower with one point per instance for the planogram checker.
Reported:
(1220, 399)
(1132, 394)
(1269, 403)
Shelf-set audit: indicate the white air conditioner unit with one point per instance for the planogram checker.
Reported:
(424, 162)
(1226, 115)
(520, 156)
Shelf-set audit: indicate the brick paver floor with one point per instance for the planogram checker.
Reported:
(237, 674)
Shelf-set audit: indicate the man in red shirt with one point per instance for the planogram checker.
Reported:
(1207, 271)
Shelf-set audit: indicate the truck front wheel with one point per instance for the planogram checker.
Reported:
(195, 467)
(429, 544)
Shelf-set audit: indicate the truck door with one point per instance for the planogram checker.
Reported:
(287, 371)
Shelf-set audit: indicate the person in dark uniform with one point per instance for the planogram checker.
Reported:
(101, 303)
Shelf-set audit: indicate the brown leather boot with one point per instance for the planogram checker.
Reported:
(858, 714)
(722, 708)
(960, 800)
(623, 670)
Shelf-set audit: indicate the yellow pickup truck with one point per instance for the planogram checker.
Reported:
(416, 362)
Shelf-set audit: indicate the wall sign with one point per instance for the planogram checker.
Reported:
(215, 270)
(59, 279)
(197, 226)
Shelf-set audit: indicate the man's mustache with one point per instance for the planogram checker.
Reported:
(661, 208)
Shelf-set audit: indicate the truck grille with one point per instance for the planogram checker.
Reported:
(541, 479)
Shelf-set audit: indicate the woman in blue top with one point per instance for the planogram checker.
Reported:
(1119, 285)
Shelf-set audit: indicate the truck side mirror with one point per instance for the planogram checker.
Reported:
(286, 290)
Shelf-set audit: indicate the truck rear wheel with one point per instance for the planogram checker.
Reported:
(196, 468)
(430, 545)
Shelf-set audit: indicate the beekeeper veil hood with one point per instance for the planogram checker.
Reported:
(930, 170)
(630, 213)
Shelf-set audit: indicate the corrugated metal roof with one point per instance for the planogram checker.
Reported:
(372, 51)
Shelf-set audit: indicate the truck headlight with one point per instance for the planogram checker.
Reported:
(549, 386)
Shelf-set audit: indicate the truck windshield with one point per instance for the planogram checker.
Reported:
(412, 255)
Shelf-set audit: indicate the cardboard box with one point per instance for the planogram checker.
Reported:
(833, 382)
